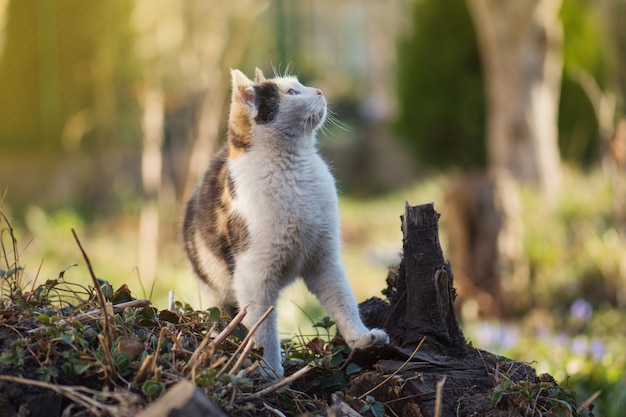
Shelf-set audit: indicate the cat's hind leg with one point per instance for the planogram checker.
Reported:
(257, 294)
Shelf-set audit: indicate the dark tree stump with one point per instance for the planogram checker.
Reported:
(424, 300)
(420, 292)
(433, 368)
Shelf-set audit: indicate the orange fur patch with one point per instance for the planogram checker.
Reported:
(239, 131)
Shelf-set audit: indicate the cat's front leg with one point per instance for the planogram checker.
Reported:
(329, 284)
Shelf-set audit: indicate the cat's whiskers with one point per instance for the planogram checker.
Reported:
(282, 74)
(330, 120)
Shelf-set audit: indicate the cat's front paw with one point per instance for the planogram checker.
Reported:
(372, 337)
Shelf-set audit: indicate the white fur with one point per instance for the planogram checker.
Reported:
(286, 194)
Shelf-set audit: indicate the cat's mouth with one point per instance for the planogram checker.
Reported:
(316, 117)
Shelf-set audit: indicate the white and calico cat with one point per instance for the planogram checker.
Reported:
(266, 213)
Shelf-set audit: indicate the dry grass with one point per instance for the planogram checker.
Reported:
(108, 353)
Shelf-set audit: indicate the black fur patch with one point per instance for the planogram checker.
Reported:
(221, 247)
(231, 186)
(268, 99)
(238, 233)
(214, 182)
(201, 217)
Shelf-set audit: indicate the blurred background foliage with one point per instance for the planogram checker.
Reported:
(429, 82)
(440, 58)
(84, 86)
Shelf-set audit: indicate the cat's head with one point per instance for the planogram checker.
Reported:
(279, 106)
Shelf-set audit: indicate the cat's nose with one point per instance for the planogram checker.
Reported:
(319, 92)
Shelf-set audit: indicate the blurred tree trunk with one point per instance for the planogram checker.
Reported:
(227, 33)
(520, 44)
(151, 163)
(484, 243)
(201, 39)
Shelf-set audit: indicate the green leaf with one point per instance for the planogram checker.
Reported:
(240, 332)
(40, 293)
(352, 368)
(331, 361)
(11, 272)
(324, 322)
(378, 409)
(6, 358)
(495, 399)
(45, 373)
(80, 368)
(66, 367)
(148, 317)
(122, 361)
(107, 291)
(333, 383)
(152, 389)
(67, 336)
(214, 315)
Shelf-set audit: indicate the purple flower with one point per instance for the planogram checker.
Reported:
(580, 310)
(498, 336)
(509, 337)
(597, 349)
(579, 345)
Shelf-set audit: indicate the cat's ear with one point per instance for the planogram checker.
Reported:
(258, 75)
(243, 88)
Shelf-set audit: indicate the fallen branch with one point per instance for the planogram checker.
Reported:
(279, 384)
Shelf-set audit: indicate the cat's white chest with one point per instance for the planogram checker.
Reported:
(288, 201)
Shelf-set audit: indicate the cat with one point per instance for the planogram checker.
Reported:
(266, 212)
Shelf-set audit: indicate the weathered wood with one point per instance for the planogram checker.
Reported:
(429, 278)
(183, 400)
(427, 345)
(422, 303)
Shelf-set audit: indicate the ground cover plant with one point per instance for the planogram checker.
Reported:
(106, 353)
(69, 349)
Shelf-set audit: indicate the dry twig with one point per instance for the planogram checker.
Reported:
(246, 341)
(101, 299)
(277, 385)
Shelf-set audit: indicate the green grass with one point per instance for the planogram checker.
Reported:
(576, 257)
(576, 328)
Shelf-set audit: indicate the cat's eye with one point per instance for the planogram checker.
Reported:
(292, 92)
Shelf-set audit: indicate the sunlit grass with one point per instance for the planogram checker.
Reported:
(577, 258)
(577, 328)
(370, 230)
